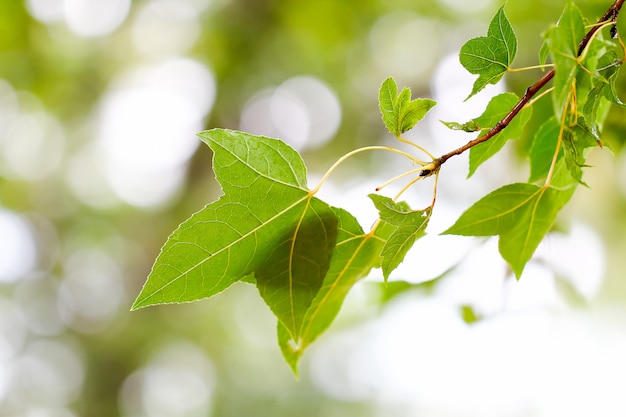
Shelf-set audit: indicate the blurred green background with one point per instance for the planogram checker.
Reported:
(100, 101)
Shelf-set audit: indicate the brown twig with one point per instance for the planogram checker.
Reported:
(610, 16)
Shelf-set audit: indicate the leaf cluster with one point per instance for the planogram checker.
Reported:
(304, 255)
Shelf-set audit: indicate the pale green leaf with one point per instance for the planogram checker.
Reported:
(398, 111)
(470, 126)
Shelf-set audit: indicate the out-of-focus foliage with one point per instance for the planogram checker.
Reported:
(99, 105)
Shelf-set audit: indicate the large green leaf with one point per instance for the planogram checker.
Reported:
(407, 226)
(563, 41)
(267, 224)
(355, 254)
(399, 112)
(520, 214)
(496, 110)
(491, 56)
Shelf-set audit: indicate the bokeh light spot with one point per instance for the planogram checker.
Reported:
(91, 18)
(303, 111)
(17, 246)
(89, 274)
(392, 43)
(34, 146)
(178, 382)
(47, 11)
(463, 6)
(148, 125)
(166, 27)
(49, 373)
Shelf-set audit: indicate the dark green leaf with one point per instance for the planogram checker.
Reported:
(520, 214)
(543, 148)
(408, 226)
(491, 56)
(355, 254)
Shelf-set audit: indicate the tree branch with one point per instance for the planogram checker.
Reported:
(610, 16)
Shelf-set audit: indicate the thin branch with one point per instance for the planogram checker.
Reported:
(610, 16)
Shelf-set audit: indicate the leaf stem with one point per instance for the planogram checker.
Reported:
(416, 146)
(539, 97)
(558, 143)
(530, 68)
(582, 53)
(357, 151)
(610, 16)
(398, 177)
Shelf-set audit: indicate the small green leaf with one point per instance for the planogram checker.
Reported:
(414, 111)
(520, 214)
(408, 226)
(497, 109)
(399, 112)
(387, 98)
(469, 315)
(563, 43)
(470, 126)
(491, 56)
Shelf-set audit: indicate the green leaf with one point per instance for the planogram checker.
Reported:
(543, 148)
(520, 214)
(354, 255)
(491, 56)
(603, 93)
(407, 225)
(575, 141)
(469, 315)
(266, 223)
(387, 99)
(399, 112)
(470, 126)
(544, 52)
(608, 67)
(496, 110)
(563, 43)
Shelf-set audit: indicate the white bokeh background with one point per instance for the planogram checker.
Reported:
(534, 353)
